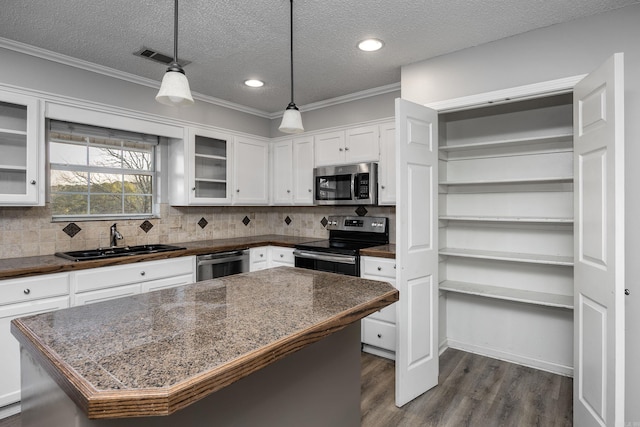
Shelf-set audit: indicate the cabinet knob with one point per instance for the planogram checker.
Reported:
(288, 191)
(340, 149)
(142, 273)
(309, 190)
(261, 255)
(238, 190)
(281, 255)
(627, 292)
(33, 182)
(193, 188)
(346, 148)
(379, 335)
(382, 186)
(27, 291)
(379, 268)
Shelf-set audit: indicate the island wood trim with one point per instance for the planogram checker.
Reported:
(153, 402)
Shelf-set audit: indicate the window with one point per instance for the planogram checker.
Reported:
(100, 173)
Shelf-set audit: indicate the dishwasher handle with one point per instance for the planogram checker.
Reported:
(221, 257)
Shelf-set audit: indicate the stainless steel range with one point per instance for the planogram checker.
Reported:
(341, 253)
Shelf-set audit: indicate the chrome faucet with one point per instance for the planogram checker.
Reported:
(114, 236)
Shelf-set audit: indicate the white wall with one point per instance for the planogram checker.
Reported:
(30, 72)
(551, 53)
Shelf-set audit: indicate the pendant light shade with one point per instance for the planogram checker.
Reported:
(174, 89)
(292, 119)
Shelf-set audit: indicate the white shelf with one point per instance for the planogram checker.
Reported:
(220, 181)
(509, 256)
(210, 156)
(13, 168)
(552, 179)
(509, 294)
(533, 220)
(518, 142)
(13, 132)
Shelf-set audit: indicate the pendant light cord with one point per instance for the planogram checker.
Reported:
(291, 51)
(175, 32)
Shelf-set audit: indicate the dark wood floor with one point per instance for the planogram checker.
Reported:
(473, 391)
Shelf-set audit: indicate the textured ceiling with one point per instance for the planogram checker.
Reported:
(229, 41)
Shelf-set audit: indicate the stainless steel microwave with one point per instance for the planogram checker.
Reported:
(355, 184)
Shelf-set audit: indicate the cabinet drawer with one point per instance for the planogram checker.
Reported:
(379, 334)
(379, 267)
(31, 288)
(107, 277)
(106, 294)
(387, 314)
(280, 255)
(169, 282)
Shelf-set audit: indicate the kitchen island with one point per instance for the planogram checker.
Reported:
(275, 347)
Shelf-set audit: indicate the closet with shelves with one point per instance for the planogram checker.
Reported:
(506, 229)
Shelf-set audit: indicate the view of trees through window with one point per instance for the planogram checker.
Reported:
(100, 172)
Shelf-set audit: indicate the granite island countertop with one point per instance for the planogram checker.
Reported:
(156, 353)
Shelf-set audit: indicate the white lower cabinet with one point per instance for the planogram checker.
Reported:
(280, 256)
(105, 283)
(18, 298)
(270, 256)
(258, 259)
(379, 328)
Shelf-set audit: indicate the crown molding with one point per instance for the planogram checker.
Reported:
(111, 72)
(344, 99)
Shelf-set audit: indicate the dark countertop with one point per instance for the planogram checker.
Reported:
(210, 334)
(383, 251)
(33, 266)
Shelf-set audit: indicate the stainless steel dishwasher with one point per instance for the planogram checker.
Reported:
(221, 264)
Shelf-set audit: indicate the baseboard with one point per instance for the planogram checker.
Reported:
(554, 368)
(377, 351)
(9, 410)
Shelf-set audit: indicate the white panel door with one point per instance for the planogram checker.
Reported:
(303, 161)
(417, 249)
(362, 145)
(598, 397)
(282, 172)
(329, 148)
(250, 172)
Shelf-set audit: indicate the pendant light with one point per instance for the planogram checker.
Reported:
(291, 120)
(174, 89)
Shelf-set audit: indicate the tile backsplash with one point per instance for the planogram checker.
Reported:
(30, 232)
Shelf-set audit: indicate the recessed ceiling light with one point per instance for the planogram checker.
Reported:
(370, 45)
(254, 83)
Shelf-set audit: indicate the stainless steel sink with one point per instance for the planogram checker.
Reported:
(104, 253)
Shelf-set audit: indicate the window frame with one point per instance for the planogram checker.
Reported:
(155, 154)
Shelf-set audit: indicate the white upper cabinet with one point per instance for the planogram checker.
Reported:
(355, 145)
(251, 172)
(200, 168)
(21, 154)
(387, 165)
(292, 172)
(282, 173)
(303, 161)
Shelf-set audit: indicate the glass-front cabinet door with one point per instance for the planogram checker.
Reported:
(19, 151)
(210, 167)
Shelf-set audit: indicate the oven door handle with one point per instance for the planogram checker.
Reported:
(342, 259)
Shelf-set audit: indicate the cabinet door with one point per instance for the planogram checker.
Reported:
(361, 145)
(303, 161)
(329, 148)
(169, 282)
(387, 165)
(279, 256)
(10, 354)
(258, 258)
(250, 172)
(21, 153)
(282, 188)
(209, 157)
